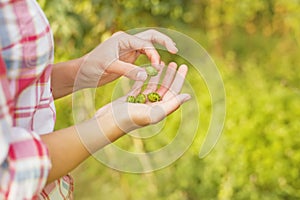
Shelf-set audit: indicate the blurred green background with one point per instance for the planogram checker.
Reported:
(256, 46)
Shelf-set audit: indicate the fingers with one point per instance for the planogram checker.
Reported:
(179, 79)
(156, 37)
(133, 43)
(171, 86)
(171, 105)
(153, 82)
(177, 83)
(143, 42)
(134, 91)
(168, 79)
(127, 69)
(153, 56)
(136, 88)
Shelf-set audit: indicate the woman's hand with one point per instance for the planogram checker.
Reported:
(115, 57)
(114, 120)
(129, 116)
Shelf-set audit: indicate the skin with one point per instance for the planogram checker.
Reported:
(106, 63)
(69, 147)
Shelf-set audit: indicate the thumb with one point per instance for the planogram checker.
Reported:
(129, 70)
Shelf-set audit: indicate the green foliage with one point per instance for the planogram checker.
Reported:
(256, 47)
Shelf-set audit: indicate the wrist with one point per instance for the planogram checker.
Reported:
(98, 132)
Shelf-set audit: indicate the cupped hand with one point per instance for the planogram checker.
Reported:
(115, 57)
(130, 116)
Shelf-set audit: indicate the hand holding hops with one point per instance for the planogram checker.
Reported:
(141, 98)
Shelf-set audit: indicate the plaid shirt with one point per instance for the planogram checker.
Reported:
(26, 103)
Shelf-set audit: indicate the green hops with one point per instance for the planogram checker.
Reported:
(153, 97)
(151, 71)
(131, 99)
(140, 98)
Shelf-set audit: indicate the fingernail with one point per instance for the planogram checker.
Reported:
(156, 61)
(157, 66)
(186, 97)
(173, 49)
(141, 75)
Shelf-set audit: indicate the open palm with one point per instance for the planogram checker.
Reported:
(130, 116)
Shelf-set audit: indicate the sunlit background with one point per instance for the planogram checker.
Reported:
(256, 46)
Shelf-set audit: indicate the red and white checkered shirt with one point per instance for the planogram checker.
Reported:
(26, 103)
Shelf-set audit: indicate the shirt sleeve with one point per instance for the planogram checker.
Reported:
(24, 158)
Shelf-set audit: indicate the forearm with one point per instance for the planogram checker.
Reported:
(63, 77)
(71, 146)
